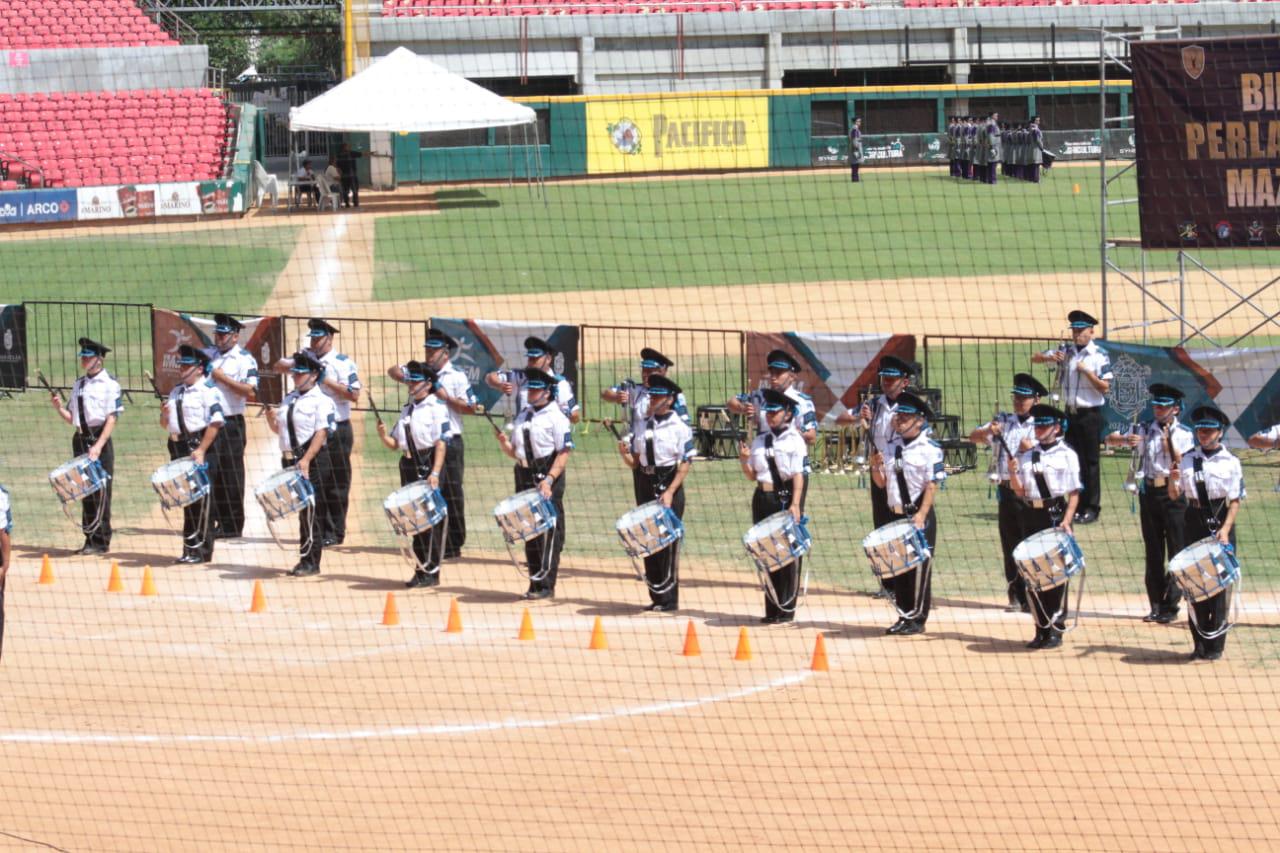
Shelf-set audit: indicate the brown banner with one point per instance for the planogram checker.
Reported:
(262, 337)
(1207, 116)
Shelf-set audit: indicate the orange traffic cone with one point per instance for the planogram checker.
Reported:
(1075, 189)
(819, 656)
(454, 625)
(46, 570)
(148, 582)
(691, 647)
(115, 583)
(743, 652)
(390, 616)
(526, 627)
(259, 603)
(598, 642)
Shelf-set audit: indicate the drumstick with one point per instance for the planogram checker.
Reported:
(480, 410)
(373, 404)
(45, 382)
(154, 387)
(608, 424)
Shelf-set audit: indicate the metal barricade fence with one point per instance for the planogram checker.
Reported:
(54, 327)
(975, 374)
(374, 345)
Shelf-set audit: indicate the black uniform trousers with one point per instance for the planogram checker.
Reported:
(426, 546)
(96, 536)
(903, 587)
(228, 487)
(1033, 521)
(1164, 524)
(786, 580)
(197, 517)
(451, 488)
(528, 478)
(350, 188)
(1084, 436)
(310, 541)
(1211, 614)
(853, 172)
(880, 512)
(1010, 526)
(333, 518)
(665, 564)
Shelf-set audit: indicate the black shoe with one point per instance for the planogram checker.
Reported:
(896, 627)
(1086, 517)
(418, 579)
(1038, 642)
(660, 607)
(783, 618)
(90, 550)
(189, 559)
(537, 594)
(1212, 656)
(1166, 617)
(1152, 616)
(1014, 607)
(302, 571)
(327, 542)
(1198, 654)
(452, 555)
(1053, 641)
(769, 620)
(910, 628)
(881, 594)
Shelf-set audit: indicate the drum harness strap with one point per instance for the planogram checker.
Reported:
(293, 434)
(783, 491)
(1211, 519)
(408, 439)
(84, 420)
(183, 435)
(1055, 505)
(903, 491)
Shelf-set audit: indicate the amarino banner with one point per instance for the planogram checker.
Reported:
(13, 346)
(262, 337)
(487, 345)
(1244, 383)
(677, 132)
(835, 368)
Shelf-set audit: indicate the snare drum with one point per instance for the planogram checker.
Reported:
(1204, 569)
(78, 478)
(414, 509)
(648, 529)
(1048, 559)
(285, 493)
(525, 515)
(777, 541)
(180, 483)
(895, 549)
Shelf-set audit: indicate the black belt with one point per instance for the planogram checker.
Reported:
(541, 465)
(234, 417)
(1051, 503)
(1075, 410)
(91, 433)
(657, 470)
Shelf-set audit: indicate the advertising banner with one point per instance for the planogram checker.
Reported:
(487, 345)
(1244, 383)
(262, 337)
(177, 200)
(37, 206)
(677, 133)
(1209, 141)
(835, 368)
(13, 346)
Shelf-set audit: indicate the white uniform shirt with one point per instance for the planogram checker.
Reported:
(1155, 458)
(1058, 463)
(921, 463)
(672, 441)
(101, 396)
(882, 411)
(1221, 472)
(201, 404)
(638, 401)
(6, 511)
(239, 367)
(342, 370)
(806, 416)
(1015, 430)
(565, 399)
(311, 411)
(456, 384)
(789, 453)
(428, 422)
(1271, 434)
(548, 431)
(1077, 391)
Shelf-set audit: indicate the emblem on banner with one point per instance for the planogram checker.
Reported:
(1187, 231)
(1128, 393)
(1255, 231)
(625, 136)
(1223, 230)
(8, 340)
(1193, 61)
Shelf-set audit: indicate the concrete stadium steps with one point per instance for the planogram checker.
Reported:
(75, 139)
(43, 24)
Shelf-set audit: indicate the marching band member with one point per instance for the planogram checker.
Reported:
(540, 443)
(895, 374)
(94, 409)
(1161, 443)
(909, 471)
(340, 382)
(194, 414)
(453, 388)
(635, 397)
(778, 462)
(1213, 481)
(1046, 480)
(422, 434)
(1267, 439)
(783, 369)
(540, 357)
(6, 546)
(305, 421)
(1011, 433)
(236, 373)
(659, 453)
(1086, 378)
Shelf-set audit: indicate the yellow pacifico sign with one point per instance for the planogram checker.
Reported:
(677, 133)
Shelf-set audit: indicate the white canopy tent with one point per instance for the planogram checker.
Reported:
(403, 92)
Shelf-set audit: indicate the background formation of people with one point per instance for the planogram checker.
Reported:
(1044, 464)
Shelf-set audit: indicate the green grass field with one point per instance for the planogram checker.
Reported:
(805, 226)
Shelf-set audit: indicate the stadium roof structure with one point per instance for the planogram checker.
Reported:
(403, 92)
